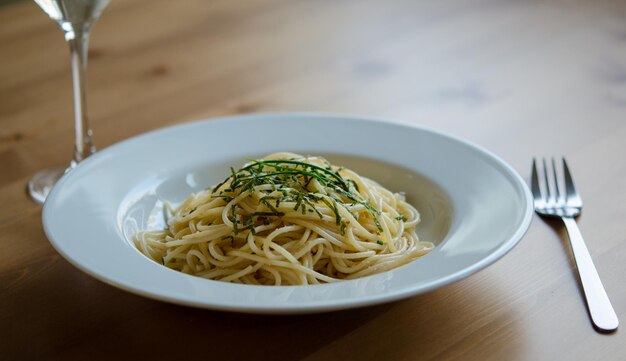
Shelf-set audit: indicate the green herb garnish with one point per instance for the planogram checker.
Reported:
(281, 181)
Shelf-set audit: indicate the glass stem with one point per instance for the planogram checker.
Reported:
(78, 40)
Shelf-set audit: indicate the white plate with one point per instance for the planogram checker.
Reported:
(475, 206)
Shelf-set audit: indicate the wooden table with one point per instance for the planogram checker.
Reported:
(522, 79)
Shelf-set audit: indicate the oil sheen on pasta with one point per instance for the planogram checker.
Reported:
(287, 219)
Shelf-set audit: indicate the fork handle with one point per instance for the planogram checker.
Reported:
(602, 314)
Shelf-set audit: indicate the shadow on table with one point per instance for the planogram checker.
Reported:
(55, 310)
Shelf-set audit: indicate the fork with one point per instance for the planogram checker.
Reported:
(568, 206)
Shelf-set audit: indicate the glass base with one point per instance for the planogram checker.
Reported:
(42, 182)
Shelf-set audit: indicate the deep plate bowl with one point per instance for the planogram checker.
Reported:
(475, 207)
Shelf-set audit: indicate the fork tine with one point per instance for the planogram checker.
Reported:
(534, 182)
(545, 175)
(557, 193)
(573, 198)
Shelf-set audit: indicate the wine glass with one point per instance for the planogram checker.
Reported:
(76, 18)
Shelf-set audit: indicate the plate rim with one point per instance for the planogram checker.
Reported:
(316, 306)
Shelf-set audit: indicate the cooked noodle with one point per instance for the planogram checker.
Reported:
(288, 220)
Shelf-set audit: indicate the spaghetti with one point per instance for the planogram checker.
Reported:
(288, 220)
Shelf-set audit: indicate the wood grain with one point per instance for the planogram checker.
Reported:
(522, 79)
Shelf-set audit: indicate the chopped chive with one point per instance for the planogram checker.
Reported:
(219, 185)
(291, 179)
(268, 205)
(267, 214)
(333, 207)
(305, 165)
(233, 212)
(298, 203)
